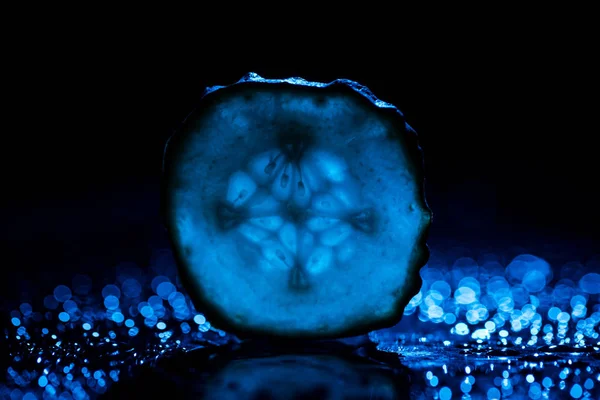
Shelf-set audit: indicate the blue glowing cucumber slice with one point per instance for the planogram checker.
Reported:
(296, 209)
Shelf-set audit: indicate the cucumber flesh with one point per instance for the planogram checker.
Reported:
(296, 209)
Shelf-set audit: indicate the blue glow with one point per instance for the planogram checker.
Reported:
(589, 384)
(299, 209)
(538, 325)
(563, 317)
(150, 321)
(576, 391)
(177, 300)
(465, 295)
(553, 313)
(590, 283)
(450, 318)
(156, 302)
(527, 264)
(62, 293)
(185, 327)
(157, 280)
(42, 381)
(147, 310)
(462, 328)
(69, 306)
(445, 393)
(118, 317)
(114, 375)
(25, 309)
(111, 302)
(493, 394)
(165, 289)
(535, 390)
(465, 387)
(111, 290)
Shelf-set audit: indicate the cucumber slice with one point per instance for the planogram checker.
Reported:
(296, 209)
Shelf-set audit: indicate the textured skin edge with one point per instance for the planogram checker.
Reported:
(420, 253)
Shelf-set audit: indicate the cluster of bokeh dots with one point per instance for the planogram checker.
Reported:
(524, 308)
(82, 337)
(78, 340)
(522, 301)
(528, 380)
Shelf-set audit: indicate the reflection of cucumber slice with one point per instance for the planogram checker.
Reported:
(264, 162)
(305, 377)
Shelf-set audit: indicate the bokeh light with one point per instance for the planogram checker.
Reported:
(528, 329)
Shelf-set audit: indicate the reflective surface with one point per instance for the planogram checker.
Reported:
(490, 325)
(260, 371)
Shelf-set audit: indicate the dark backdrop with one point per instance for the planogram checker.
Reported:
(504, 123)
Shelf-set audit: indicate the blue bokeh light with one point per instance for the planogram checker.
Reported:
(62, 293)
(111, 302)
(489, 311)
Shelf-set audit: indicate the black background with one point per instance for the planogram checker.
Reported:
(505, 123)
